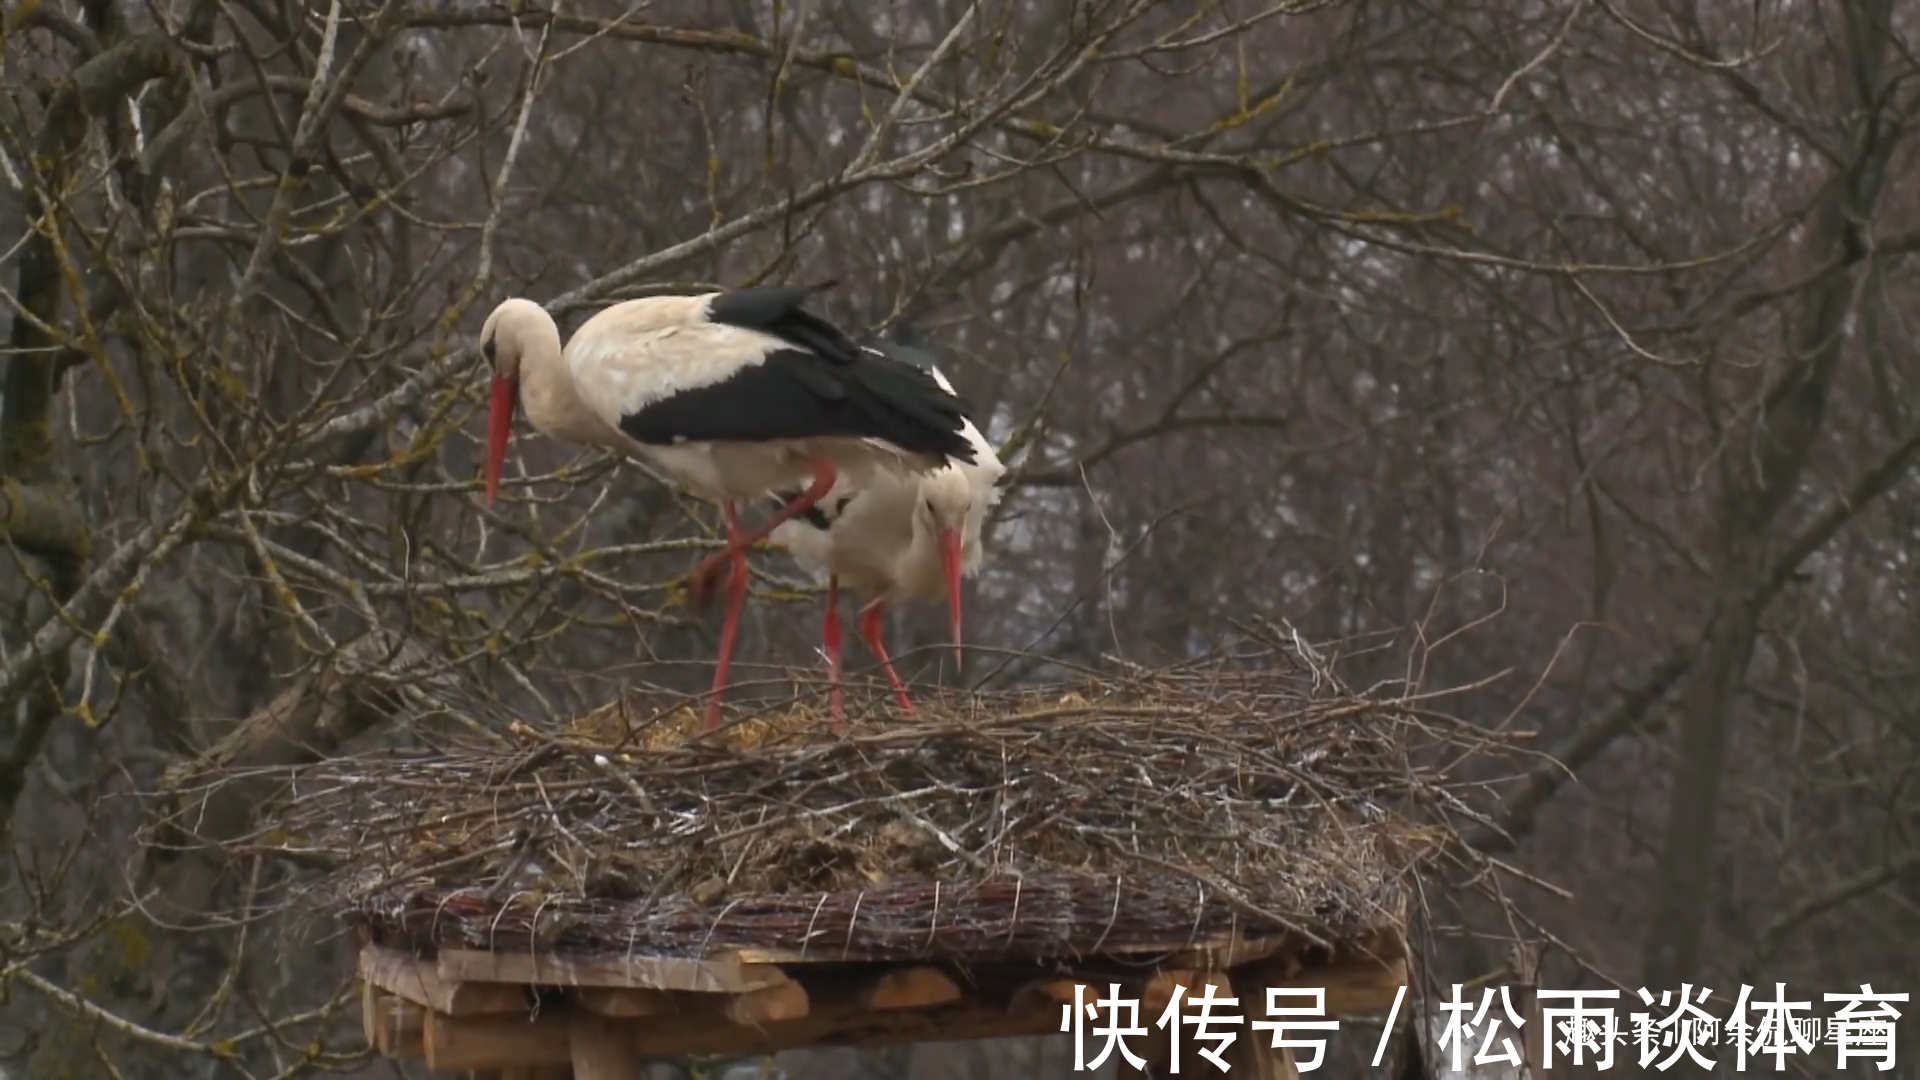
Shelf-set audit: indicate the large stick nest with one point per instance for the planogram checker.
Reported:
(1119, 813)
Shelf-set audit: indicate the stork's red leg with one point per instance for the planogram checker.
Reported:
(741, 576)
(737, 545)
(729, 628)
(823, 478)
(733, 556)
(830, 641)
(870, 631)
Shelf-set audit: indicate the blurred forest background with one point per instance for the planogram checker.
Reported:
(1579, 333)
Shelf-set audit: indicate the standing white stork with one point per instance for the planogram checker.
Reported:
(733, 394)
(897, 537)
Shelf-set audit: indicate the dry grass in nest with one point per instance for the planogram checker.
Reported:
(1012, 826)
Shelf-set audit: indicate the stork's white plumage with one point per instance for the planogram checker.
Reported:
(733, 394)
(897, 536)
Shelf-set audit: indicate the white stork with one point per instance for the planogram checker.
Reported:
(897, 537)
(733, 394)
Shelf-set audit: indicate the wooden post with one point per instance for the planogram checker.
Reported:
(1253, 1053)
(1153, 1048)
(1156, 1046)
(1526, 971)
(393, 1025)
(370, 1014)
(602, 1050)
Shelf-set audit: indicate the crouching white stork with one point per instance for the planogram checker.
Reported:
(897, 537)
(733, 394)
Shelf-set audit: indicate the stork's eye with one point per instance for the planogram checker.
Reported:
(486, 349)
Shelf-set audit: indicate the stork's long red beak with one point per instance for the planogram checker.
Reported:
(950, 562)
(499, 425)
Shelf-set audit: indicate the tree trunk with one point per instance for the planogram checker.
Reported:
(1777, 453)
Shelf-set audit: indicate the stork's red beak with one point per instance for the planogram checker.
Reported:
(950, 562)
(499, 424)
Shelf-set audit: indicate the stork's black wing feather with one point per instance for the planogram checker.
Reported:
(912, 353)
(777, 311)
(824, 386)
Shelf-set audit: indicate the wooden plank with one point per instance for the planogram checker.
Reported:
(911, 988)
(1228, 949)
(1046, 996)
(720, 975)
(393, 1026)
(1159, 990)
(622, 1002)
(788, 1001)
(601, 1049)
(537, 1072)
(840, 1022)
(1352, 989)
(494, 1042)
(418, 980)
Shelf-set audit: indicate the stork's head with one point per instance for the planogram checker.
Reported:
(941, 516)
(515, 330)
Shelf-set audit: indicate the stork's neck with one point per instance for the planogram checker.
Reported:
(552, 401)
(919, 571)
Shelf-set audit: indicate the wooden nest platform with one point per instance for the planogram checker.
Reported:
(628, 888)
(532, 1016)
